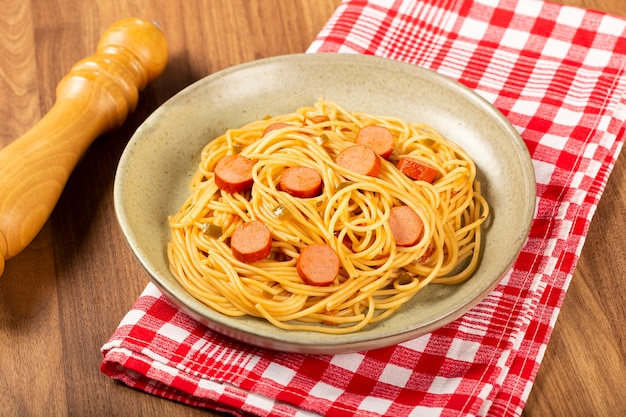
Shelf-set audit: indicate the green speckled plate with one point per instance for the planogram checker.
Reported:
(157, 165)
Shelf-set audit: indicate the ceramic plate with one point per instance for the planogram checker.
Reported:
(156, 167)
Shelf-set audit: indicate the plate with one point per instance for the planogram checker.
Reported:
(155, 169)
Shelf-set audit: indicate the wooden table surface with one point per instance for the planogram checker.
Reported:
(64, 295)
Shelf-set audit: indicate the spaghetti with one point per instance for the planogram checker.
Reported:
(351, 215)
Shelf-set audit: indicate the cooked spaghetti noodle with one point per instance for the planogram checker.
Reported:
(351, 215)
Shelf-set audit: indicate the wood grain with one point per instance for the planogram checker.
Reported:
(64, 295)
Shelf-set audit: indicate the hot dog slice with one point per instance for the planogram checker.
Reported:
(318, 264)
(379, 138)
(319, 119)
(301, 181)
(416, 170)
(360, 159)
(251, 242)
(406, 226)
(233, 173)
(274, 126)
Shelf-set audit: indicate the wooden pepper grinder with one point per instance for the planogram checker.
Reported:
(93, 98)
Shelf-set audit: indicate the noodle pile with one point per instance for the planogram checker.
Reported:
(376, 277)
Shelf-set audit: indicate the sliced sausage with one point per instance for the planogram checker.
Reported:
(360, 159)
(233, 173)
(319, 119)
(318, 264)
(416, 170)
(379, 138)
(347, 242)
(301, 181)
(251, 242)
(406, 226)
(274, 126)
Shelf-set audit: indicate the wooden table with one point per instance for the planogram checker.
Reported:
(64, 295)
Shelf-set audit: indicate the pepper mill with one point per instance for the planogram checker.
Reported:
(93, 98)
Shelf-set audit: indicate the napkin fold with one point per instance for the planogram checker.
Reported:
(557, 73)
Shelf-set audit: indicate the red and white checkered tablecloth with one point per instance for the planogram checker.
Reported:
(557, 73)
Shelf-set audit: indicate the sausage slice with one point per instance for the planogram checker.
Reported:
(360, 159)
(319, 119)
(416, 170)
(251, 242)
(233, 173)
(318, 264)
(301, 181)
(406, 226)
(274, 126)
(379, 138)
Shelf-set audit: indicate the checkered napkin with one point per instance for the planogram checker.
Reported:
(557, 73)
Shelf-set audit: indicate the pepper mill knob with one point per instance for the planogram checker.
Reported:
(94, 98)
